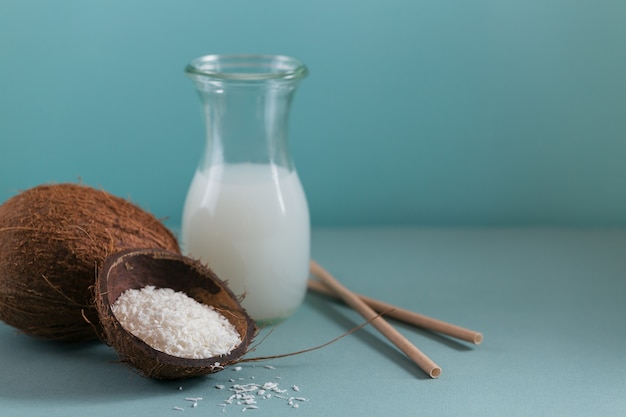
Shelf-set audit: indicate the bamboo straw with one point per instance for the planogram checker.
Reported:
(408, 316)
(402, 343)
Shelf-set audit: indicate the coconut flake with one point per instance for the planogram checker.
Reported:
(175, 323)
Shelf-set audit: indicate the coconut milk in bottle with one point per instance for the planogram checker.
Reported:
(250, 224)
(246, 214)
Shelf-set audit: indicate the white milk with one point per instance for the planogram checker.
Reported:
(250, 224)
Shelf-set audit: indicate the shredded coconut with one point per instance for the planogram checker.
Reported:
(252, 396)
(175, 323)
(248, 396)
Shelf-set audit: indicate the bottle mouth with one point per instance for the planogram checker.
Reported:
(247, 67)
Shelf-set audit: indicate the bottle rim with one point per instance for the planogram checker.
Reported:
(247, 67)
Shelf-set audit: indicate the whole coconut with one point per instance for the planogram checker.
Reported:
(53, 239)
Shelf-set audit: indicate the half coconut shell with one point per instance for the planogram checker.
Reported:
(137, 268)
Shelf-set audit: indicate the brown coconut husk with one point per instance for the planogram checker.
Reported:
(53, 238)
(135, 269)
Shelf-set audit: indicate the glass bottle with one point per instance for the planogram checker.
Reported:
(246, 213)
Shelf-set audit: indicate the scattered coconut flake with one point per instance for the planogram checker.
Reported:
(248, 395)
(194, 399)
(175, 323)
(270, 385)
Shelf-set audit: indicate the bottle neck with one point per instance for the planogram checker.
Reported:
(246, 122)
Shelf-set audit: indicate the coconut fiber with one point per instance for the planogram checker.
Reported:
(53, 240)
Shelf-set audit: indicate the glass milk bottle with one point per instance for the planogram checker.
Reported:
(246, 213)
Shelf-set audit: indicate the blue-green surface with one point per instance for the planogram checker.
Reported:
(415, 112)
(550, 302)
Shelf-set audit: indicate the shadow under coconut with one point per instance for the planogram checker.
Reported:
(69, 372)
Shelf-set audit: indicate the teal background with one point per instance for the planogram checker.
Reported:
(415, 112)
